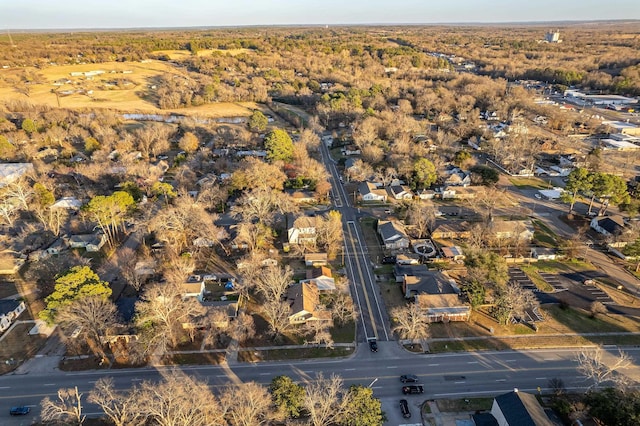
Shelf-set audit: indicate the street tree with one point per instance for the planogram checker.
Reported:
(258, 122)
(77, 283)
(512, 300)
(593, 366)
(279, 146)
(189, 142)
(323, 400)
(410, 321)
(110, 212)
(246, 404)
(67, 408)
(287, 396)
(317, 333)
(121, 408)
(93, 316)
(178, 400)
(596, 308)
(361, 408)
(423, 173)
(342, 308)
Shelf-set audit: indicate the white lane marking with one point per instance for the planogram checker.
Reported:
(5, 387)
(392, 366)
(349, 369)
(501, 380)
(136, 380)
(473, 362)
(510, 360)
(49, 384)
(433, 365)
(459, 383)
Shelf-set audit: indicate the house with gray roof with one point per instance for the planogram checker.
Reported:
(519, 409)
(393, 235)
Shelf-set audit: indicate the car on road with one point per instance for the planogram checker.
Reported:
(412, 389)
(408, 378)
(538, 196)
(373, 345)
(21, 410)
(404, 407)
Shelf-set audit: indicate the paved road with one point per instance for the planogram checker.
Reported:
(452, 375)
(373, 318)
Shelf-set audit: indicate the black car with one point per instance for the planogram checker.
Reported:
(21, 410)
(389, 260)
(408, 378)
(404, 407)
(412, 389)
(373, 345)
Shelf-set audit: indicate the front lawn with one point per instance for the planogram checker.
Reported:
(528, 183)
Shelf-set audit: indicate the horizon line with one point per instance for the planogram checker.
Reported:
(327, 25)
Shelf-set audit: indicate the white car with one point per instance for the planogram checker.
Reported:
(538, 196)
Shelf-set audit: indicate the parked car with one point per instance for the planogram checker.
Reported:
(408, 378)
(389, 259)
(538, 196)
(412, 389)
(373, 345)
(21, 410)
(404, 407)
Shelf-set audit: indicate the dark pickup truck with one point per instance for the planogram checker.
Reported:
(412, 389)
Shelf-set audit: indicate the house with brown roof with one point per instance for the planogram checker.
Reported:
(451, 229)
(322, 277)
(315, 259)
(304, 304)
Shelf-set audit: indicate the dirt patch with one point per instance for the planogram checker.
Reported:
(18, 346)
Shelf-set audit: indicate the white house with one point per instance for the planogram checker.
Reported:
(9, 311)
(89, 242)
(11, 172)
(67, 203)
(400, 192)
(370, 192)
(393, 235)
(608, 226)
(301, 230)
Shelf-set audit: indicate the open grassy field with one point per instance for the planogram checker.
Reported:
(528, 183)
(134, 97)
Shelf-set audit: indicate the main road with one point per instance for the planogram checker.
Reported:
(450, 375)
(372, 313)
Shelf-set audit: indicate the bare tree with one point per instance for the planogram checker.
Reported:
(422, 216)
(247, 404)
(411, 321)
(272, 282)
(342, 308)
(179, 400)
(161, 313)
(243, 327)
(318, 332)
(276, 313)
(330, 233)
(93, 315)
(592, 366)
(67, 408)
(123, 409)
(323, 400)
(512, 301)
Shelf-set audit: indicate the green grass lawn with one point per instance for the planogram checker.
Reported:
(532, 273)
(344, 333)
(581, 322)
(543, 235)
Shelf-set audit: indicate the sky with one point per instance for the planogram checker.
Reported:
(68, 14)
